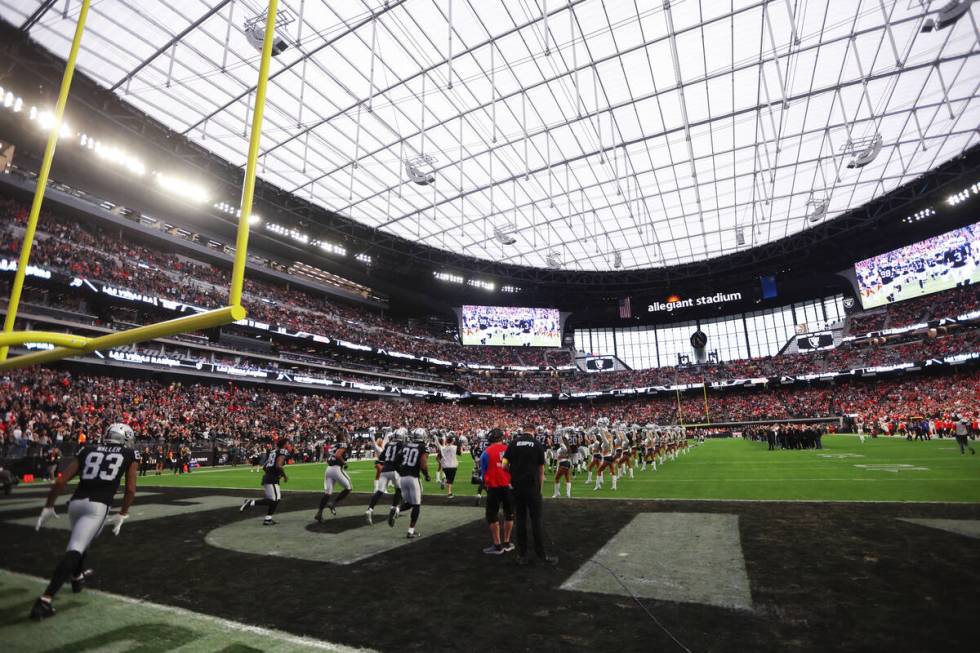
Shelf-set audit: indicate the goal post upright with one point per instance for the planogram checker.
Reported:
(42, 180)
(72, 345)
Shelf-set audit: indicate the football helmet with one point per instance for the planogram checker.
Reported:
(121, 434)
(419, 435)
(401, 434)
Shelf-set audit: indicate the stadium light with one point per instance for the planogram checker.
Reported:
(330, 248)
(114, 156)
(486, 285)
(254, 219)
(182, 188)
(964, 195)
(448, 276)
(289, 233)
(922, 214)
(510, 289)
(363, 258)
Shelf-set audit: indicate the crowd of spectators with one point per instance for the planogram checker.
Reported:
(44, 408)
(950, 303)
(96, 253)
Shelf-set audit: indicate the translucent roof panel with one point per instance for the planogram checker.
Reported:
(599, 134)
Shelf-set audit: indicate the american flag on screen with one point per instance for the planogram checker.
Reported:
(625, 308)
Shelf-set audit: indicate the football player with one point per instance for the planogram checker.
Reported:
(389, 472)
(272, 471)
(334, 474)
(100, 468)
(413, 459)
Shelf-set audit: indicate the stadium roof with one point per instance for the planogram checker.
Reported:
(632, 133)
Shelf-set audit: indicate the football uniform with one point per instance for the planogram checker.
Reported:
(409, 467)
(389, 465)
(100, 470)
(334, 473)
(271, 474)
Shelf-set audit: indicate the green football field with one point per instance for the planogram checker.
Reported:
(844, 470)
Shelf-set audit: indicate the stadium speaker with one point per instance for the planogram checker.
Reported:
(947, 15)
(255, 34)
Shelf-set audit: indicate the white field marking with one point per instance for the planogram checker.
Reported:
(226, 624)
(892, 468)
(11, 505)
(965, 527)
(225, 468)
(146, 511)
(681, 557)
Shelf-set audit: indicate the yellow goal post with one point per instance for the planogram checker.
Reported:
(68, 345)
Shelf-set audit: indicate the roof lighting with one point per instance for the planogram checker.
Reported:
(448, 276)
(964, 195)
(486, 285)
(922, 214)
(182, 188)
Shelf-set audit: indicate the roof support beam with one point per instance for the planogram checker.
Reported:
(36, 17)
(385, 9)
(169, 44)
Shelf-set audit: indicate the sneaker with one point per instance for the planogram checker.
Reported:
(245, 505)
(392, 516)
(269, 522)
(370, 516)
(42, 610)
(509, 546)
(450, 496)
(493, 551)
(556, 496)
(77, 584)
(413, 536)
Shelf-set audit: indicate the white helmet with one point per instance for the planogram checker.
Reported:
(120, 434)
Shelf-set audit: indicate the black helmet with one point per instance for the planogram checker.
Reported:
(495, 435)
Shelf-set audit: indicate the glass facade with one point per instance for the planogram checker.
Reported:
(744, 335)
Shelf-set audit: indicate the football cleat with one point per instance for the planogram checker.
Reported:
(412, 536)
(333, 510)
(392, 515)
(42, 610)
(370, 516)
(269, 522)
(77, 584)
(245, 504)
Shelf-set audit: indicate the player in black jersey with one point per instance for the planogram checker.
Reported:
(100, 468)
(334, 474)
(412, 460)
(272, 471)
(477, 447)
(389, 472)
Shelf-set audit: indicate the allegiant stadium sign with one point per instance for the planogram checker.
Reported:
(674, 302)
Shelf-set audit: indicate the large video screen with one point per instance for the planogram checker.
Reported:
(510, 326)
(929, 266)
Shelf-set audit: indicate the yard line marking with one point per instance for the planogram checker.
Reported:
(224, 624)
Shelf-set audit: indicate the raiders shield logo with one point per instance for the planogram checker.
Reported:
(814, 342)
(848, 303)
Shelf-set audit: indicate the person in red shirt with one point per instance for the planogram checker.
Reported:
(497, 481)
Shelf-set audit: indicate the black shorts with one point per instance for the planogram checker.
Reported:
(565, 463)
(497, 498)
(597, 456)
(450, 473)
(608, 459)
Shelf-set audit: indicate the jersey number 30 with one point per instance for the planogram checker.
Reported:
(93, 466)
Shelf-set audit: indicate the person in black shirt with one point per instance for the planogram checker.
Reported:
(413, 459)
(388, 458)
(335, 475)
(100, 468)
(524, 459)
(273, 470)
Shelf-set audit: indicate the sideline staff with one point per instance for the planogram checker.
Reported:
(524, 459)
